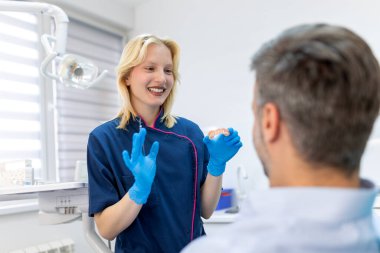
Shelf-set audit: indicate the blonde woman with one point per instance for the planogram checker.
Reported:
(152, 176)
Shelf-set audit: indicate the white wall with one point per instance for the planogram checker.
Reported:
(371, 159)
(218, 39)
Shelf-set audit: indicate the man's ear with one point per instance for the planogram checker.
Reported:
(270, 122)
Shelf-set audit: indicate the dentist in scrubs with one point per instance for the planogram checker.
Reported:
(316, 98)
(152, 176)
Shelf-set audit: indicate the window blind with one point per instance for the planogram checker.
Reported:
(20, 94)
(79, 111)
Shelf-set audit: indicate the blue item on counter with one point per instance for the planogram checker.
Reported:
(226, 199)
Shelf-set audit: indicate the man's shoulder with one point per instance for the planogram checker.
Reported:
(218, 243)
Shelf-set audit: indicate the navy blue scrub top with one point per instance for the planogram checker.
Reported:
(171, 217)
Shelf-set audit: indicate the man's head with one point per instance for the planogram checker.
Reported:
(322, 83)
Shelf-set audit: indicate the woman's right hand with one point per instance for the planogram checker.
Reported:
(142, 167)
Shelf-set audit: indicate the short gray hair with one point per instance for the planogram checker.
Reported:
(325, 81)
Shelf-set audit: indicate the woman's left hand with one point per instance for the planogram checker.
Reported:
(222, 148)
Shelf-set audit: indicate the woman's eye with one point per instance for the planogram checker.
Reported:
(168, 71)
(149, 68)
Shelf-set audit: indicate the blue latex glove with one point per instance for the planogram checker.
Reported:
(142, 167)
(221, 148)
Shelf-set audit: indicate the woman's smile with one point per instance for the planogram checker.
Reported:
(156, 91)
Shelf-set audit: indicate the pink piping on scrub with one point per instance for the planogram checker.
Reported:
(196, 168)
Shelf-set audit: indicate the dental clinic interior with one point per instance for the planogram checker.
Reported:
(46, 116)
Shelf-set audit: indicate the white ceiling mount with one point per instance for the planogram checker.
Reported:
(71, 70)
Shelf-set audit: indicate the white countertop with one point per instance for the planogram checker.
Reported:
(40, 188)
(221, 217)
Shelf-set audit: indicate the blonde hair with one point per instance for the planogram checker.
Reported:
(134, 53)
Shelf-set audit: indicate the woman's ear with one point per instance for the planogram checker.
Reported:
(126, 81)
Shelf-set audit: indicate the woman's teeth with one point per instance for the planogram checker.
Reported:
(158, 90)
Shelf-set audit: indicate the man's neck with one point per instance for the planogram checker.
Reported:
(301, 174)
(286, 167)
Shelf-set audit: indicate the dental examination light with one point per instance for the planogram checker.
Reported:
(69, 69)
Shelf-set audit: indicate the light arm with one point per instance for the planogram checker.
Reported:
(86, 73)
